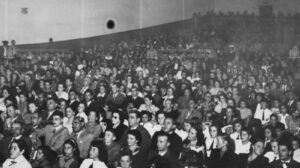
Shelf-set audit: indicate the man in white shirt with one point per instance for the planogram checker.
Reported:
(263, 113)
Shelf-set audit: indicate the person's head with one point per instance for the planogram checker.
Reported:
(169, 125)
(11, 111)
(258, 147)
(168, 104)
(126, 159)
(134, 92)
(295, 143)
(163, 142)
(214, 131)
(70, 148)
(81, 108)
(225, 143)
(238, 125)
(273, 119)
(192, 104)
(195, 133)
(88, 95)
(114, 88)
(78, 124)
(245, 135)
(57, 118)
(98, 151)
(70, 112)
(109, 136)
(86, 81)
(36, 119)
(93, 116)
(18, 148)
(134, 118)
(44, 152)
(146, 116)
(279, 130)
(51, 104)
(72, 94)
(274, 145)
(17, 128)
(285, 150)
(160, 117)
(148, 100)
(60, 87)
(32, 107)
(283, 109)
(229, 111)
(268, 132)
(117, 118)
(134, 138)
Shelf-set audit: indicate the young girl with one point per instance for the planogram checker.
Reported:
(243, 146)
(98, 156)
(44, 157)
(18, 154)
(69, 159)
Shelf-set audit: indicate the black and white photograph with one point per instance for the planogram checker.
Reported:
(149, 83)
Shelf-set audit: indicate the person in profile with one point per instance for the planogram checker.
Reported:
(285, 156)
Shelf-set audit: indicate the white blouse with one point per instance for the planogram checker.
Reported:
(19, 162)
(242, 148)
(96, 164)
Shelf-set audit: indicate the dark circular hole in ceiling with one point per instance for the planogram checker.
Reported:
(110, 24)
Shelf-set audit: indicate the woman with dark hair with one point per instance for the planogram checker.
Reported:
(93, 125)
(44, 158)
(255, 159)
(18, 155)
(223, 156)
(97, 156)
(70, 156)
(193, 147)
(134, 141)
(118, 124)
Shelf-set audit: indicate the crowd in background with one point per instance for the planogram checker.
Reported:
(113, 106)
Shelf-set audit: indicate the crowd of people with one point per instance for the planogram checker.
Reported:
(112, 106)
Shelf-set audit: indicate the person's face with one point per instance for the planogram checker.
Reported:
(284, 153)
(245, 136)
(60, 88)
(81, 107)
(258, 148)
(17, 129)
(51, 105)
(274, 146)
(77, 125)
(15, 151)
(191, 104)
(40, 154)
(69, 112)
(295, 145)
(168, 104)
(243, 104)
(168, 125)
(11, 112)
(229, 112)
(145, 118)
(237, 127)
(68, 149)
(268, 133)
(192, 134)
(278, 132)
(131, 140)
(187, 126)
(170, 92)
(86, 82)
(57, 121)
(47, 85)
(114, 88)
(134, 92)
(63, 105)
(161, 119)
(94, 152)
(125, 162)
(283, 109)
(116, 119)
(109, 137)
(213, 132)
(88, 96)
(148, 101)
(102, 89)
(35, 120)
(273, 120)
(92, 116)
(22, 98)
(133, 120)
(32, 107)
(162, 143)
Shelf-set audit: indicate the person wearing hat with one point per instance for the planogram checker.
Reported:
(263, 113)
(55, 134)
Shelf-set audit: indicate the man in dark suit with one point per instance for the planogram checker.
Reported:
(134, 98)
(72, 102)
(157, 100)
(48, 114)
(115, 98)
(90, 104)
(162, 156)
(285, 156)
